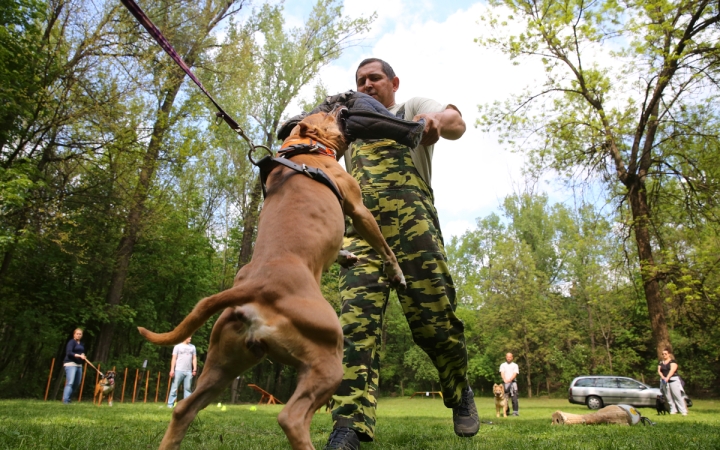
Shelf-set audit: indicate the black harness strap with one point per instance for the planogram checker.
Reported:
(268, 164)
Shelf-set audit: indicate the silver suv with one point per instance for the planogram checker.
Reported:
(597, 391)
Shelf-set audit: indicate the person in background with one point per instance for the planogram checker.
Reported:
(673, 390)
(183, 367)
(509, 371)
(74, 357)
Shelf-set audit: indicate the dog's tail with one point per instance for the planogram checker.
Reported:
(198, 316)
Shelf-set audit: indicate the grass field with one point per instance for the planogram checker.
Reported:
(416, 424)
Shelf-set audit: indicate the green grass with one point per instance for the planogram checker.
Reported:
(416, 424)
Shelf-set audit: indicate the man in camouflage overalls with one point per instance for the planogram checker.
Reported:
(395, 183)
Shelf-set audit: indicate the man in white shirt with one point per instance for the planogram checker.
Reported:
(183, 368)
(509, 371)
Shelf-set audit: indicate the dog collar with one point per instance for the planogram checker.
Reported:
(315, 146)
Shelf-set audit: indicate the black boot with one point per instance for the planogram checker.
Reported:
(465, 416)
(343, 438)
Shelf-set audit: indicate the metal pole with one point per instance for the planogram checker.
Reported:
(157, 388)
(122, 397)
(47, 389)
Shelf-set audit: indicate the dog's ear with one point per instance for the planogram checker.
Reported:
(306, 129)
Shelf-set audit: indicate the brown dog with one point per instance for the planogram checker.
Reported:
(275, 307)
(105, 388)
(501, 403)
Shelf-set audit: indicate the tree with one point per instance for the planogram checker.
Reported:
(191, 30)
(280, 63)
(629, 83)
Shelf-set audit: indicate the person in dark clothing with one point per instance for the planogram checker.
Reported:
(74, 357)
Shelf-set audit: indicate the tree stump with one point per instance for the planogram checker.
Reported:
(610, 414)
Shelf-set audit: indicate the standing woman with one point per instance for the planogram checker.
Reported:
(667, 368)
(74, 356)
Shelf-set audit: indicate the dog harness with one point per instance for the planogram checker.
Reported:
(294, 147)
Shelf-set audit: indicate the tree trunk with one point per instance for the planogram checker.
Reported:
(250, 224)
(237, 385)
(134, 220)
(591, 332)
(278, 378)
(648, 270)
(527, 363)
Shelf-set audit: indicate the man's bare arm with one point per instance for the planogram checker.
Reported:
(447, 124)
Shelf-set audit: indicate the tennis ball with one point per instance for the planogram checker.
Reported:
(253, 408)
(224, 408)
(219, 405)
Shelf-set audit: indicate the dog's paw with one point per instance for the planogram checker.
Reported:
(346, 259)
(398, 282)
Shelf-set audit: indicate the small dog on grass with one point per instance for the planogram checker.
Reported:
(501, 403)
(105, 388)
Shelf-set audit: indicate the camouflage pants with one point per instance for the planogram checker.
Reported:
(409, 223)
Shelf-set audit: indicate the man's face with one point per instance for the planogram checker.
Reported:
(187, 341)
(371, 80)
(509, 357)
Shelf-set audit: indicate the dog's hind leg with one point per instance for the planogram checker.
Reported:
(228, 356)
(316, 385)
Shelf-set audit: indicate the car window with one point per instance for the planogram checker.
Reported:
(628, 384)
(606, 383)
(585, 382)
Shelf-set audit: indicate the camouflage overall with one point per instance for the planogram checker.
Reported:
(402, 203)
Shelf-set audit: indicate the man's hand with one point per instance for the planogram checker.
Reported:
(172, 374)
(447, 124)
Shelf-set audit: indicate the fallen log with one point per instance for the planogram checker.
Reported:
(614, 414)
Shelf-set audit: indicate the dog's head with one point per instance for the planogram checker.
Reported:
(109, 376)
(326, 128)
(498, 390)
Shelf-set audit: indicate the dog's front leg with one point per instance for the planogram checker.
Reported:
(365, 224)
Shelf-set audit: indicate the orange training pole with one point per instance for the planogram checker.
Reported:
(135, 387)
(122, 397)
(147, 382)
(167, 396)
(157, 388)
(47, 389)
(97, 373)
(82, 383)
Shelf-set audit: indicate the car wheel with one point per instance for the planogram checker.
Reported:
(594, 402)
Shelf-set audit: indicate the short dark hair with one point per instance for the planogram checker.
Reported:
(387, 70)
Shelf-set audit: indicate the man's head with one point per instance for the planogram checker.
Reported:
(376, 78)
(187, 341)
(509, 357)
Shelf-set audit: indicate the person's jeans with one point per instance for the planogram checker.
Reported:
(180, 376)
(73, 375)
